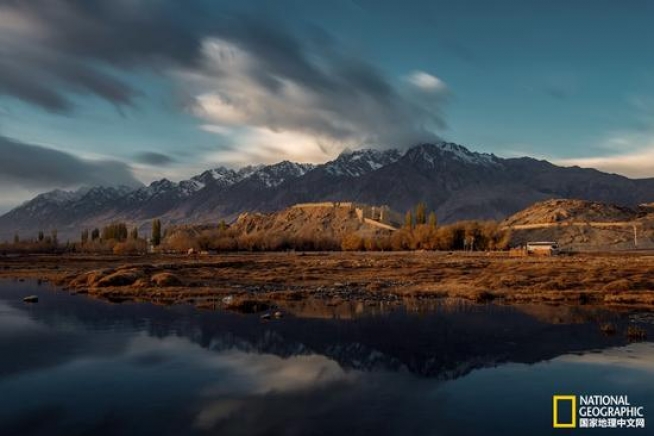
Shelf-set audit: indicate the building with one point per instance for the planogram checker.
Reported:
(382, 215)
(543, 248)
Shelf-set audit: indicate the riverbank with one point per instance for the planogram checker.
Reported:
(275, 278)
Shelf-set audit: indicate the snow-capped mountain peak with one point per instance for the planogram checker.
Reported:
(359, 162)
(433, 153)
(274, 175)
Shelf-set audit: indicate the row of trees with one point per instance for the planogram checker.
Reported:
(420, 232)
(418, 216)
(117, 238)
(469, 235)
(41, 238)
(118, 232)
(113, 238)
(42, 243)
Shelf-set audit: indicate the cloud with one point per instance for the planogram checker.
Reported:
(154, 158)
(638, 164)
(51, 48)
(29, 166)
(271, 81)
(265, 146)
(630, 153)
(426, 81)
(239, 70)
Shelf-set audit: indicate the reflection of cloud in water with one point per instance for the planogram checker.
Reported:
(13, 321)
(123, 368)
(243, 375)
(262, 374)
(640, 355)
(250, 373)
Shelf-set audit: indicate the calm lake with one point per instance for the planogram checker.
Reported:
(72, 365)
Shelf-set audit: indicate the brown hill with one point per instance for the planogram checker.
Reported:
(331, 220)
(584, 225)
(562, 211)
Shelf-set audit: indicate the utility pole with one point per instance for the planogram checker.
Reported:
(635, 237)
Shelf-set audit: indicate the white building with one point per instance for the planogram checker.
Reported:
(546, 248)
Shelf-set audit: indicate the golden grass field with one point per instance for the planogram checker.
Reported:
(600, 279)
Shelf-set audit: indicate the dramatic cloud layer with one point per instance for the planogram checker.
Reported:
(36, 167)
(241, 72)
(51, 47)
(269, 81)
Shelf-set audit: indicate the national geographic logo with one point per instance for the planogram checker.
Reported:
(596, 411)
(557, 401)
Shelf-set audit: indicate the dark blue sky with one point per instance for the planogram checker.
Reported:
(141, 89)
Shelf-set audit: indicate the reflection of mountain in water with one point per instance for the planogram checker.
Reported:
(447, 342)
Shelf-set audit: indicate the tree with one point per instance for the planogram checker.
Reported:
(222, 226)
(433, 221)
(352, 242)
(16, 238)
(85, 236)
(134, 234)
(95, 234)
(53, 232)
(408, 220)
(421, 213)
(41, 235)
(115, 231)
(156, 232)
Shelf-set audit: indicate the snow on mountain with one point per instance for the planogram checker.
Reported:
(223, 177)
(456, 182)
(434, 153)
(59, 196)
(272, 176)
(359, 162)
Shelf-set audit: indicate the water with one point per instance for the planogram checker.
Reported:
(72, 365)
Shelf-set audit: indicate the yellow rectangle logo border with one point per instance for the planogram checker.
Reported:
(555, 411)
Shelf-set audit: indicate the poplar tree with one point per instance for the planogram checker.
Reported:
(433, 221)
(408, 220)
(421, 213)
(156, 232)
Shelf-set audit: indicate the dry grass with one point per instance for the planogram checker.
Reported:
(285, 277)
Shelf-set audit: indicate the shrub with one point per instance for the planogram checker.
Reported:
(130, 247)
(166, 279)
(352, 242)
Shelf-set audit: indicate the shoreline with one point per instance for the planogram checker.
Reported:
(615, 280)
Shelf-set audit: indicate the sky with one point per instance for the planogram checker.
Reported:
(108, 92)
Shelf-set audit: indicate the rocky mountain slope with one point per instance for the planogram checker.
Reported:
(311, 222)
(455, 182)
(564, 211)
(584, 225)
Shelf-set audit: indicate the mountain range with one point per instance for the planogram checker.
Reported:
(452, 180)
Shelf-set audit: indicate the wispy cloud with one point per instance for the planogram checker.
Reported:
(267, 80)
(638, 164)
(426, 81)
(37, 167)
(154, 158)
